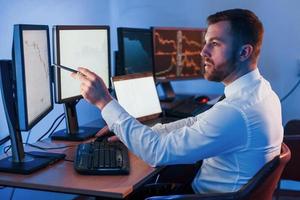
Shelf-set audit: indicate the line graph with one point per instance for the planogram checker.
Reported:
(37, 74)
(177, 52)
(40, 56)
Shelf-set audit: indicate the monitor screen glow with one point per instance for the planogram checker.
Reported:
(80, 47)
(177, 53)
(36, 66)
(138, 96)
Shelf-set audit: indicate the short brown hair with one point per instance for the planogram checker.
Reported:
(245, 26)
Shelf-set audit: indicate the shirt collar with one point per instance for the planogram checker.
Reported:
(241, 82)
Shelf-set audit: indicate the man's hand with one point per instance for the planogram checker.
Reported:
(92, 87)
(104, 131)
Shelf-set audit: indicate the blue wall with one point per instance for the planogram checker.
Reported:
(278, 62)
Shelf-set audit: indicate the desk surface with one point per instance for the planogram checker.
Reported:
(61, 177)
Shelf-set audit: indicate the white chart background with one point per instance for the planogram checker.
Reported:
(36, 72)
(138, 96)
(82, 48)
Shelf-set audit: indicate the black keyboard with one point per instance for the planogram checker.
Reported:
(102, 158)
(188, 108)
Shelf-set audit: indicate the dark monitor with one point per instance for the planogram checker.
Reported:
(177, 55)
(135, 53)
(27, 95)
(78, 46)
(4, 135)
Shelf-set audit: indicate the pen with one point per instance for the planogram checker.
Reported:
(66, 68)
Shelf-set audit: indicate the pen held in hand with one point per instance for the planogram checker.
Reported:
(68, 69)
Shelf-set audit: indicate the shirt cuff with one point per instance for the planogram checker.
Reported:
(111, 112)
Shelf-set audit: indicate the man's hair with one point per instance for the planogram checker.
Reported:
(245, 26)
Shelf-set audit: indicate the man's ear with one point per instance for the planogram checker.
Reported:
(245, 52)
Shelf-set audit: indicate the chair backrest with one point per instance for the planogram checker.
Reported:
(291, 171)
(265, 186)
(260, 187)
(292, 127)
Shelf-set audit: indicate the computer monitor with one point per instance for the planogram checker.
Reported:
(177, 55)
(4, 135)
(135, 53)
(137, 94)
(27, 95)
(78, 46)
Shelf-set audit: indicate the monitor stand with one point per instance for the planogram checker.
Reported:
(29, 162)
(19, 162)
(168, 91)
(72, 131)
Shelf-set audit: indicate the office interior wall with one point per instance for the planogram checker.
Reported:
(278, 61)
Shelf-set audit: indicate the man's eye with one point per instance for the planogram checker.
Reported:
(214, 44)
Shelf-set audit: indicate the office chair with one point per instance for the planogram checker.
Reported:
(291, 171)
(260, 187)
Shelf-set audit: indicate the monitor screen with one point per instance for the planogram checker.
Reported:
(177, 53)
(79, 46)
(137, 94)
(31, 61)
(135, 51)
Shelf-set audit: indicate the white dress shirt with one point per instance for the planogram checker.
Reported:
(234, 138)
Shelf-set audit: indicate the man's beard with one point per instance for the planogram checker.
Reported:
(220, 72)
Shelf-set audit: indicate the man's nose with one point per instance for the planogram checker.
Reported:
(204, 51)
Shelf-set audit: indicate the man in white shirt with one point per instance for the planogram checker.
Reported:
(234, 138)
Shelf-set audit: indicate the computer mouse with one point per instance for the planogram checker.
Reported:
(202, 99)
(104, 137)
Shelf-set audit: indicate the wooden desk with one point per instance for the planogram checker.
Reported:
(61, 177)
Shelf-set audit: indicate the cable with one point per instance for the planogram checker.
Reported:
(290, 92)
(12, 193)
(56, 126)
(51, 127)
(28, 135)
(4, 140)
(6, 149)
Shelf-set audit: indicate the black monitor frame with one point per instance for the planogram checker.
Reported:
(73, 132)
(165, 80)
(14, 92)
(121, 65)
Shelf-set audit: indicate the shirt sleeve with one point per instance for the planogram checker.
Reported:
(187, 141)
(167, 128)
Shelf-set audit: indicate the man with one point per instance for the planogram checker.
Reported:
(236, 137)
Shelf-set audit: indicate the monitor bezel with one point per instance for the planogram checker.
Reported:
(121, 47)
(18, 64)
(168, 79)
(56, 57)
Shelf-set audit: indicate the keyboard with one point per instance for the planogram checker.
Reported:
(187, 108)
(102, 158)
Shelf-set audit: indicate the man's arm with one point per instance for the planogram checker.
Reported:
(168, 127)
(212, 133)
